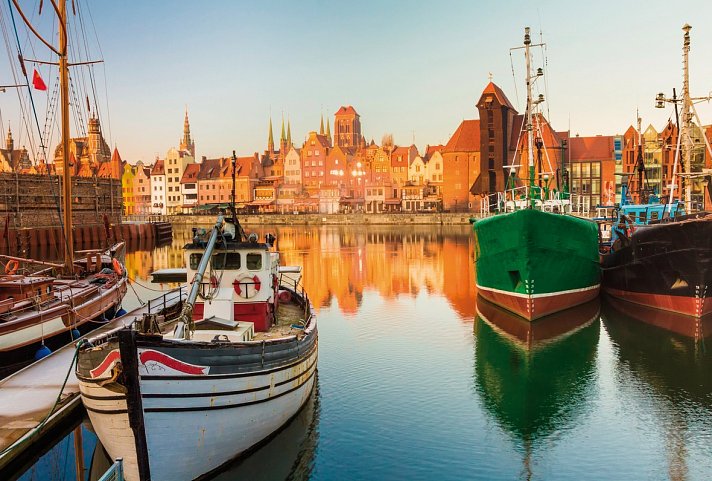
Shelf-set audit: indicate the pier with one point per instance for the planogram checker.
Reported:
(30, 398)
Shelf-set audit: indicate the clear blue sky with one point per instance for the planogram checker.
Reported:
(409, 68)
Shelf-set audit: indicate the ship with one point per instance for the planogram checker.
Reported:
(236, 363)
(660, 254)
(41, 300)
(531, 259)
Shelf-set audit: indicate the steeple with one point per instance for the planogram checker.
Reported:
(321, 126)
(289, 133)
(328, 132)
(187, 143)
(282, 137)
(9, 143)
(270, 139)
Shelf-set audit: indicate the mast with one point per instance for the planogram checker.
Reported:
(686, 117)
(66, 173)
(530, 139)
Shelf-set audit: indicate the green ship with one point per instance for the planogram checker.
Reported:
(532, 258)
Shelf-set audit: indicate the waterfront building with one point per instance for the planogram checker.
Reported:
(460, 156)
(293, 166)
(591, 166)
(175, 164)
(313, 158)
(141, 188)
(111, 169)
(127, 188)
(158, 188)
(189, 188)
(401, 158)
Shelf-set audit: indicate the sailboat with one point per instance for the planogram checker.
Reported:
(223, 375)
(532, 261)
(37, 307)
(661, 253)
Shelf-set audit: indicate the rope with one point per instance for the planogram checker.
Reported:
(57, 401)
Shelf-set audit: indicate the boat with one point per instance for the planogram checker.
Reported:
(234, 366)
(58, 300)
(534, 378)
(660, 254)
(532, 260)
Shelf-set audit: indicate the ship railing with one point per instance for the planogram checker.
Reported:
(115, 472)
(160, 303)
(581, 204)
(297, 288)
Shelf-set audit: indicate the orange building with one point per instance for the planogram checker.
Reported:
(592, 170)
(461, 163)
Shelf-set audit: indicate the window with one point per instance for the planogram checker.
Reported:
(226, 260)
(253, 262)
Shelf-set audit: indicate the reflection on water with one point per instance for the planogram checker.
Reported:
(535, 378)
(401, 395)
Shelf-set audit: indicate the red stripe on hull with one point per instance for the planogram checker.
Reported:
(687, 305)
(530, 307)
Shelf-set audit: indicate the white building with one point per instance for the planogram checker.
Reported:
(158, 189)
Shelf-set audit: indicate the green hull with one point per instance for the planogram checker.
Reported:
(532, 257)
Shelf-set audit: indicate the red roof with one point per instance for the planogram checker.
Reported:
(158, 168)
(599, 147)
(466, 138)
(431, 149)
(191, 173)
(348, 110)
(499, 95)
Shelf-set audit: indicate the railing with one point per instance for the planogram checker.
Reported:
(162, 302)
(115, 472)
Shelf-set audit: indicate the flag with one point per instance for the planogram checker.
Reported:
(37, 81)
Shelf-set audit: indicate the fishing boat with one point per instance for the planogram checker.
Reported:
(660, 254)
(222, 376)
(530, 259)
(58, 299)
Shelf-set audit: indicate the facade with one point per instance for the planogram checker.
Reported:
(591, 169)
(189, 188)
(347, 128)
(158, 188)
(141, 188)
(127, 189)
(175, 164)
(86, 153)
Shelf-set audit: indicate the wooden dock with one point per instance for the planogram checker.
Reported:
(29, 396)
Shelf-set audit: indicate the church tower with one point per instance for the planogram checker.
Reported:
(270, 138)
(9, 142)
(187, 144)
(347, 127)
(283, 140)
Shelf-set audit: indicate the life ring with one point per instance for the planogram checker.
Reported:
(11, 267)
(117, 267)
(242, 286)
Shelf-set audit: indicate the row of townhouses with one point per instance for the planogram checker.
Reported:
(345, 173)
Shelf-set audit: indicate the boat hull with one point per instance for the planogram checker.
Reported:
(536, 263)
(212, 402)
(666, 266)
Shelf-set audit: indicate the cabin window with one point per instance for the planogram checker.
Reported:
(654, 215)
(642, 218)
(226, 260)
(194, 261)
(254, 261)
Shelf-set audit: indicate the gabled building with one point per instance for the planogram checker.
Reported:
(461, 165)
(141, 188)
(189, 187)
(127, 188)
(158, 188)
(14, 160)
(313, 158)
(591, 167)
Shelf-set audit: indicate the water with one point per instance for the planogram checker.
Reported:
(413, 384)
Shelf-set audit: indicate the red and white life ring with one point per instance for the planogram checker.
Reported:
(247, 286)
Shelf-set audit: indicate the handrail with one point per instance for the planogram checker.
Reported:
(115, 472)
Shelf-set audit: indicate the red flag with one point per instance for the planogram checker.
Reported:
(37, 81)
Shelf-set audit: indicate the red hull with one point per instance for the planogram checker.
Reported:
(534, 306)
(696, 306)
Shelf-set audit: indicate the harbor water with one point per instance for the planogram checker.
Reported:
(418, 381)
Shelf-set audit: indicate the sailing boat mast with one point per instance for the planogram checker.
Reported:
(66, 171)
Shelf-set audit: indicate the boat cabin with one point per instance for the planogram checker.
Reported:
(19, 291)
(240, 284)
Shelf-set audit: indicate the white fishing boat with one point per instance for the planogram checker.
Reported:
(179, 396)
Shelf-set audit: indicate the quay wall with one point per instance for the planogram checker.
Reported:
(448, 218)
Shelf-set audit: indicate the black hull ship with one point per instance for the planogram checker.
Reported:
(665, 266)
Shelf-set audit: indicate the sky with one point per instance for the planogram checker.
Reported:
(413, 69)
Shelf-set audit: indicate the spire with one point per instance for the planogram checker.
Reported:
(289, 133)
(187, 143)
(321, 126)
(328, 132)
(9, 143)
(270, 139)
(282, 137)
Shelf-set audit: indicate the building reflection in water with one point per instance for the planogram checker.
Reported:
(535, 378)
(341, 262)
(665, 371)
